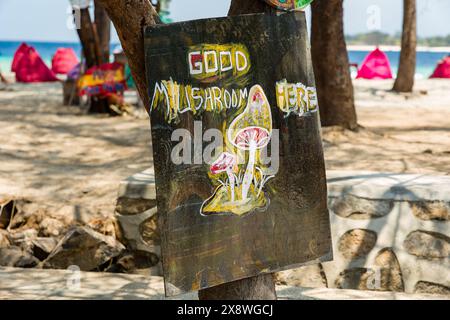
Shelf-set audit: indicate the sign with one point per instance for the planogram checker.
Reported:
(289, 5)
(103, 80)
(240, 175)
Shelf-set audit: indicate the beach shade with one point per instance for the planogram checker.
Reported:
(18, 55)
(375, 66)
(64, 60)
(442, 69)
(31, 68)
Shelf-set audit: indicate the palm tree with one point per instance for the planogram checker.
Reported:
(407, 66)
(331, 65)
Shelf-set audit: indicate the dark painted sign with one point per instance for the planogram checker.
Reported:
(240, 175)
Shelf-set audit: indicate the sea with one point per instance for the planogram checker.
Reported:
(426, 60)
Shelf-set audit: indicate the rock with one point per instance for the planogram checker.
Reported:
(135, 227)
(84, 248)
(357, 208)
(357, 243)
(7, 211)
(42, 247)
(385, 277)
(134, 262)
(391, 273)
(24, 221)
(150, 232)
(357, 279)
(16, 257)
(23, 238)
(105, 226)
(431, 288)
(51, 227)
(431, 210)
(428, 245)
(131, 206)
(4, 241)
(311, 276)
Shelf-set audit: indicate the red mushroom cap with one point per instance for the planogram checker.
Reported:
(226, 160)
(257, 134)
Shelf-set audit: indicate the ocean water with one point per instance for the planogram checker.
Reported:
(426, 61)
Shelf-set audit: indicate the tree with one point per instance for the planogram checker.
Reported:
(103, 26)
(88, 39)
(129, 18)
(407, 66)
(331, 65)
(90, 43)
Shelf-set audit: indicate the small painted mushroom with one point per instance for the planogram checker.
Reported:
(226, 163)
(252, 131)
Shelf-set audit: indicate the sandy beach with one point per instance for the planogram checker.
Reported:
(68, 164)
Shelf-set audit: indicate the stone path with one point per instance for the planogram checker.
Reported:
(66, 285)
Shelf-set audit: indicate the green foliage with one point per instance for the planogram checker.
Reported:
(380, 38)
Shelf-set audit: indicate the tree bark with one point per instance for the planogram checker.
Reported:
(103, 25)
(102, 30)
(261, 287)
(89, 39)
(331, 65)
(256, 288)
(91, 50)
(407, 66)
(129, 18)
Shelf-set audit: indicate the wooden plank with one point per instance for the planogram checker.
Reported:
(207, 238)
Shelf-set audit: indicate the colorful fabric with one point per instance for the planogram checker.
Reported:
(102, 80)
(75, 72)
(442, 69)
(64, 60)
(20, 53)
(29, 66)
(375, 66)
(129, 77)
(289, 5)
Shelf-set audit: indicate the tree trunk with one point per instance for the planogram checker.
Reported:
(103, 37)
(91, 51)
(103, 25)
(260, 287)
(331, 65)
(256, 288)
(129, 18)
(407, 66)
(89, 39)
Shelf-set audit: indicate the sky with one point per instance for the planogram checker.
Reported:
(47, 20)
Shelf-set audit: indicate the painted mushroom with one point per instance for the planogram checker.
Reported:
(226, 163)
(252, 131)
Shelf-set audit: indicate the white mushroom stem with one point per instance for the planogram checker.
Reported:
(249, 172)
(232, 181)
